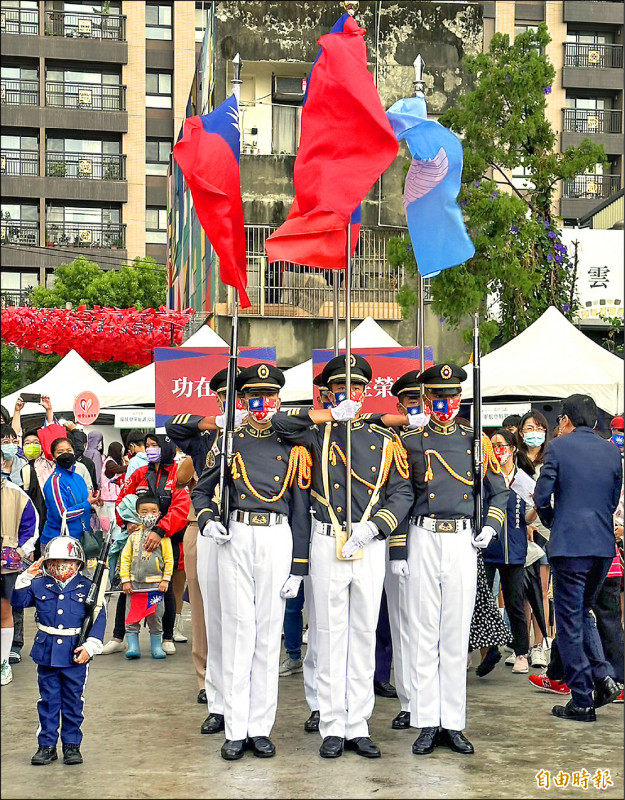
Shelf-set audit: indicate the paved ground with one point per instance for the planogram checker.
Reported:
(142, 740)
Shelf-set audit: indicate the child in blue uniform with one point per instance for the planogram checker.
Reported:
(54, 585)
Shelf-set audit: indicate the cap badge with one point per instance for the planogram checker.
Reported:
(263, 371)
(352, 360)
(446, 371)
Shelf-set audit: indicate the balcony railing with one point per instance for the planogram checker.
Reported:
(86, 96)
(591, 187)
(593, 55)
(19, 20)
(88, 234)
(19, 232)
(17, 298)
(85, 26)
(19, 162)
(577, 120)
(290, 290)
(18, 92)
(89, 166)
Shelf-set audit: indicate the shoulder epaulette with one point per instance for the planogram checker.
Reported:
(293, 412)
(466, 427)
(389, 434)
(181, 419)
(413, 432)
(366, 416)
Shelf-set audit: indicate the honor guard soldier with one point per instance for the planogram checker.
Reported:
(197, 436)
(347, 575)
(442, 556)
(262, 558)
(57, 590)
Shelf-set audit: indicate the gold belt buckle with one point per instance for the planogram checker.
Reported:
(259, 518)
(445, 526)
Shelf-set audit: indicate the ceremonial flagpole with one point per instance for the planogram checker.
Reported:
(419, 85)
(227, 450)
(478, 455)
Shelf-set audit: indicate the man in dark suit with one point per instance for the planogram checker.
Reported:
(584, 474)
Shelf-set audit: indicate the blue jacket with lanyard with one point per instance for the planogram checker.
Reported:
(510, 547)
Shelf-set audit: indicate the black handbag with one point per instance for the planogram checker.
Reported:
(91, 540)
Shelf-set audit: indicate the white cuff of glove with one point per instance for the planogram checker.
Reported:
(483, 538)
(216, 531)
(239, 418)
(291, 587)
(346, 410)
(418, 420)
(400, 568)
(93, 646)
(362, 534)
(23, 579)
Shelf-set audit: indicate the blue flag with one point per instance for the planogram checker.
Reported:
(437, 230)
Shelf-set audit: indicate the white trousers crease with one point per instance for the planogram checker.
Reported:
(310, 659)
(441, 595)
(396, 601)
(209, 587)
(347, 597)
(253, 567)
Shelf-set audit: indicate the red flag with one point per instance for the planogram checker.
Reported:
(142, 604)
(208, 155)
(346, 144)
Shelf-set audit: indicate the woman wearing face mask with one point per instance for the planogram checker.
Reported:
(12, 463)
(66, 493)
(533, 435)
(507, 553)
(159, 478)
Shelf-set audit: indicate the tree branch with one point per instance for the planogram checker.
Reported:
(512, 186)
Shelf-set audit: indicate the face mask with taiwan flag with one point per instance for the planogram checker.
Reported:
(357, 394)
(445, 409)
(262, 409)
(618, 438)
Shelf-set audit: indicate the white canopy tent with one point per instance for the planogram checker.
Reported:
(298, 386)
(138, 388)
(551, 358)
(71, 376)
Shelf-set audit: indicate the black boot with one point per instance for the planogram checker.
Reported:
(312, 723)
(401, 721)
(384, 689)
(71, 754)
(43, 756)
(606, 691)
(573, 712)
(214, 723)
(426, 741)
(492, 657)
(201, 697)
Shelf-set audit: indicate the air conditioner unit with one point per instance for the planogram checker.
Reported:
(288, 89)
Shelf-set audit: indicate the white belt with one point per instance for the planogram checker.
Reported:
(442, 525)
(324, 528)
(58, 631)
(258, 518)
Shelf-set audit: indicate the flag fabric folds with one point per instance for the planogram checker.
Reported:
(142, 604)
(346, 144)
(437, 230)
(208, 155)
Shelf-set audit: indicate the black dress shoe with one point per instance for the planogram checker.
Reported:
(571, 711)
(43, 756)
(262, 746)
(492, 657)
(456, 741)
(71, 754)
(606, 690)
(363, 746)
(426, 741)
(233, 749)
(214, 723)
(201, 697)
(312, 723)
(401, 721)
(331, 747)
(384, 689)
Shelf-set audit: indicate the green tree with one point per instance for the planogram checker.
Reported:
(520, 262)
(10, 375)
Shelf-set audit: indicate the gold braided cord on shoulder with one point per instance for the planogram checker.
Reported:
(334, 452)
(490, 460)
(300, 463)
(395, 453)
(400, 457)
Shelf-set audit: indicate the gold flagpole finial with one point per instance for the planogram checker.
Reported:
(351, 7)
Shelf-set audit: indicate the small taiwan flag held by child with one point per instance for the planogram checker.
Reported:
(142, 604)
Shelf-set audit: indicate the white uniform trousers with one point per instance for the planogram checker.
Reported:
(253, 567)
(310, 659)
(347, 605)
(441, 595)
(396, 602)
(209, 587)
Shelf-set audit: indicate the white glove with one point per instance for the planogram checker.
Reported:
(93, 646)
(418, 420)
(239, 418)
(291, 587)
(216, 531)
(400, 568)
(346, 410)
(482, 539)
(24, 579)
(362, 533)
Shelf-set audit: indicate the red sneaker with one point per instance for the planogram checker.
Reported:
(619, 698)
(547, 685)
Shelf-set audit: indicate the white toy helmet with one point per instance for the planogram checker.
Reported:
(64, 547)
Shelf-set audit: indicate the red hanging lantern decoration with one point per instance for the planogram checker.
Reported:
(98, 334)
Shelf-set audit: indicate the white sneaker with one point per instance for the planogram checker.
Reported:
(538, 656)
(168, 647)
(520, 665)
(290, 666)
(510, 661)
(113, 647)
(178, 630)
(305, 635)
(6, 673)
